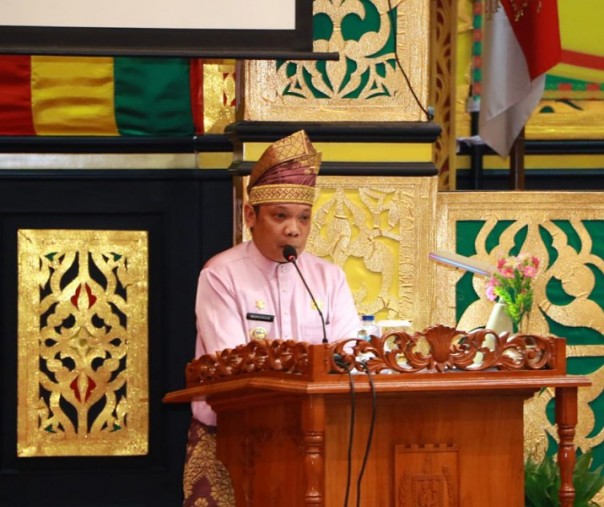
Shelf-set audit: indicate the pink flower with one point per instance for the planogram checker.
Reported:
(507, 272)
(511, 284)
(491, 292)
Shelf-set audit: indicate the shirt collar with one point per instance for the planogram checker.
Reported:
(267, 266)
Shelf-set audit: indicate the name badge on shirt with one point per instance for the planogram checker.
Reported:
(263, 317)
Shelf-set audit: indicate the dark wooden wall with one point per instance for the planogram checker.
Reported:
(188, 214)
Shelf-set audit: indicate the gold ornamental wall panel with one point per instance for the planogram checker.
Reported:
(218, 88)
(83, 343)
(365, 84)
(443, 89)
(565, 230)
(379, 231)
(561, 228)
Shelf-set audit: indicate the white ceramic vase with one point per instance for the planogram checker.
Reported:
(499, 321)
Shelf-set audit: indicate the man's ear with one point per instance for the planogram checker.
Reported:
(249, 215)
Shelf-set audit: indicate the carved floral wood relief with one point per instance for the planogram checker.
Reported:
(436, 349)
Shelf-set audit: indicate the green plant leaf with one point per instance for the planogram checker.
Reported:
(542, 481)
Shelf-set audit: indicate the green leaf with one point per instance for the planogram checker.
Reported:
(542, 481)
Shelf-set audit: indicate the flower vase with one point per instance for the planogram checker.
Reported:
(499, 320)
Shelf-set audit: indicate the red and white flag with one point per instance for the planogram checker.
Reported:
(522, 42)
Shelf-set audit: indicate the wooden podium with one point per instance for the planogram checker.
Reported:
(444, 411)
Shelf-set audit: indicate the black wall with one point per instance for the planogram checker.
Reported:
(188, 214)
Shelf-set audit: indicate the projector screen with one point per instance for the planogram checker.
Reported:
(220, 28)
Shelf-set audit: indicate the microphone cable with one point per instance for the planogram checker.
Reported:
(290, 255)
(371, 431)
(428, 112)
(351, 434)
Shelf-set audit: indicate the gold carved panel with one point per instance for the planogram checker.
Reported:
(531, 216)
(83, 343)
(365, 84)
(443, 89)
(218, 95)
(379, 230)
(563, 229)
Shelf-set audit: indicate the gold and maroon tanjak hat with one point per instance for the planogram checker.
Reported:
(286, 172)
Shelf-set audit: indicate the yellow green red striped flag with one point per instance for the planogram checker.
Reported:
(100, 96)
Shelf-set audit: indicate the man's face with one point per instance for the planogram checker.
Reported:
(277, 225)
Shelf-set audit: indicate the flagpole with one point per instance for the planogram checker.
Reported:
(517, 163)
(522, 43)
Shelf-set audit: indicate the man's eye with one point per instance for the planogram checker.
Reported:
(305, 218)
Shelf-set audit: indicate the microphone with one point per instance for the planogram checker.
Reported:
(290, 255)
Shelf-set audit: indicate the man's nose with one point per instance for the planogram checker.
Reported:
(292, 229)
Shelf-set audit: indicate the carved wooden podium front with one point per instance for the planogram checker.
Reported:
(443, 410)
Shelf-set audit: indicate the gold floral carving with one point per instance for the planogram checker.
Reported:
(533, 216)
(444, 35)
(218, 95)
(363, 85)
(377, 230)
(83, 342)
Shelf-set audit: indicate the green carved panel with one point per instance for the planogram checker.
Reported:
(569, 297)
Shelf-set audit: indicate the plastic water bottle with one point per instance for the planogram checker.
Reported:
(368, 328)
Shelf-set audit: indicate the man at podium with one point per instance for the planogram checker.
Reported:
(260, 289)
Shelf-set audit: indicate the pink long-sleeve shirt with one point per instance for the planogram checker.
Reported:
(242, 295)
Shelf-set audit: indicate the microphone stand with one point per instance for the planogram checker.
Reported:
(290, 255)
